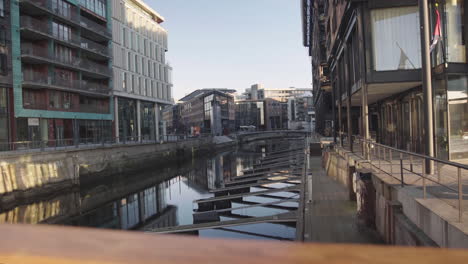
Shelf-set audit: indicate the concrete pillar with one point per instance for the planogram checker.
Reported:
(138, 119)
(156, 120)
(116, 119)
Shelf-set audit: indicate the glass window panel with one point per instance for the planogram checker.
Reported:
(394, 34)
(456, 30)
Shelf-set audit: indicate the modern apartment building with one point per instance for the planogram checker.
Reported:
(61, 71)
(142, 77)
(373, 49)
(6, 92)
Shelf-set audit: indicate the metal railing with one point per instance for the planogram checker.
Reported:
(44, 79)
(44, 27)
(91, 66)
(70, 13)
(94, 46)
(385, 159)
(91, 25)
(94, 142)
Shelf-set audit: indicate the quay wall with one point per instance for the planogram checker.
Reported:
(39, 174)
(399, 214)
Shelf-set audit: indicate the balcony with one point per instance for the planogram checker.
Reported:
(95, 27)
(42, 53)
(90, 66)
(44, 28)
(68, 14)
(94, 47)
(43, 80)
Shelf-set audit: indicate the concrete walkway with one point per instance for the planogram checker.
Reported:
(329, 216)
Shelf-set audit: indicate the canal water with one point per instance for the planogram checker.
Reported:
(163, 197)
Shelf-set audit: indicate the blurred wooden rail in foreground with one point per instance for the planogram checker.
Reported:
(21, 244)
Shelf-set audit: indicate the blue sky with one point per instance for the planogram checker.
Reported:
(234, 43)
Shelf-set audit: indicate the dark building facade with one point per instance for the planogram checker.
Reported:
(6, 92)
(373, 49)
(315, 22)
(210, 111)
(266, 114)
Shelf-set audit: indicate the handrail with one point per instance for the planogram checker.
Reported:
(68, 143)
(447, 162)
(27, 244)
(367, 146)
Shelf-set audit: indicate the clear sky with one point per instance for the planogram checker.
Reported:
(234, 43)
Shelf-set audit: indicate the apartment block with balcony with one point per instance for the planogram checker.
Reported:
(142, 76)
(6, 91)
(373, 50)
(61, 71)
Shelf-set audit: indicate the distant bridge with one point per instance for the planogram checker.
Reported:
(246, 137)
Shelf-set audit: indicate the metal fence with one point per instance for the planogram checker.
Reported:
(77, 143)
(432, 171)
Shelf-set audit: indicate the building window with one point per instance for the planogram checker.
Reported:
(124, 81)
(63, 54)
(139, 85)
(136, 64)
(458, 116)
(129, 59)
(150, 72)
(61, 31)
(145, 44)
(2, 8)
(146, 92)
(3, 64)
(96, 6)
(394, 34)
(151, 50)
(124, 37)
(143, 71)
(132, 89)
(456, 30)
(61, 7)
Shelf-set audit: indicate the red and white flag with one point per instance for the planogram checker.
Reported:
(437, 33)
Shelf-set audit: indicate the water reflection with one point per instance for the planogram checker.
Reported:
(157, 198)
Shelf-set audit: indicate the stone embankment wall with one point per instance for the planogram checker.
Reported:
(37, 174)
(398, 213)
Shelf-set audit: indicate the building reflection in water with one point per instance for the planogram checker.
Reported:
(148, 200)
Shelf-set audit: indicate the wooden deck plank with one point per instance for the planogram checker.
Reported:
(241, 195)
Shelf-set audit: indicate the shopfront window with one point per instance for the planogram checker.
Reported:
(440, 118)
(455, 16)
(458, 116)
(396, 38)
(148, 127)
(128, 125)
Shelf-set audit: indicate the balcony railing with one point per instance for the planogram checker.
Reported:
(66, 13)
(95, 67)
(93, 46)
(91, 25)
(45, 28)
(43, 52)
(43, 79)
